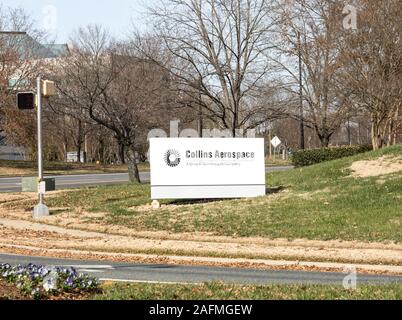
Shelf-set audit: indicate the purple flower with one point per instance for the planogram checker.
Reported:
(32, 277)
(69, 281)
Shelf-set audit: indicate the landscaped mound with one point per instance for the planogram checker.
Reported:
(319, 202)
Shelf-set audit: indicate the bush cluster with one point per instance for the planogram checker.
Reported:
(308, 157)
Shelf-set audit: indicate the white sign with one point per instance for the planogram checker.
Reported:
(42, 187)
(73, 157)
(276, 142)
(208, 168)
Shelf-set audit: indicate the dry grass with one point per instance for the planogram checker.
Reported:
(221, 291)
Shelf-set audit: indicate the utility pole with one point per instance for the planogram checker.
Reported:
(349, 133)
(200, 120)
(85, 145)
(26, 101)
(270, 144)
(41, 210)
(301, 112)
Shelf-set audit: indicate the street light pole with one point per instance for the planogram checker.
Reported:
(200, 120)
(301, 112)
(41, 210)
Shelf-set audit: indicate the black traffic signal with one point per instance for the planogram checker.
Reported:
(26, 100)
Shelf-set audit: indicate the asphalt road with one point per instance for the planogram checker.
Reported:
(75, 181)
(194, 274)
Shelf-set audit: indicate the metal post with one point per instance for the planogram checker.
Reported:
(200, 119)
(301, 112)
(41, 210)
(200, 122)
(349, 133)
(270, 143)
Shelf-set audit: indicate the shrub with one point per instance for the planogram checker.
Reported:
(308, 157)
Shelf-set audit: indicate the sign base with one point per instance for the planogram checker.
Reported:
(207, 192)
(40, 211)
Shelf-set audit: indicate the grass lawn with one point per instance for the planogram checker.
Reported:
(220, 291)
(27, 168)
(277, 162)
(320, 202)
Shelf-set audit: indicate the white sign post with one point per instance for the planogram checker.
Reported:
(42, 187)
(276, 142)
(196, 168)
(41, 210)
(45, 89)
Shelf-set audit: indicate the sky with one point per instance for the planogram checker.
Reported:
(61, 17)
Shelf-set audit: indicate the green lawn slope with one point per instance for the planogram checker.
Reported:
(319, 202)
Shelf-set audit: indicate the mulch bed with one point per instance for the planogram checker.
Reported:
(9, 291)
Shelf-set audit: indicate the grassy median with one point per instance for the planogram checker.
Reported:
(220, 291)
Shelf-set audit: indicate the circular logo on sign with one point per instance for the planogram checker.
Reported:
(172, 158)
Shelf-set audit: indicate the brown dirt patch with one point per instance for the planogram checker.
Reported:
(25, 233)
(375, 168)
(257, 264)
(77, 230)
(9, 291)
(4, 171)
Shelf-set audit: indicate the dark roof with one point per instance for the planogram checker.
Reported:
(28, 48)
(59, 50)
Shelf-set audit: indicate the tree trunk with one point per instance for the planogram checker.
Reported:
(393, 128)
(234, 132)
(122, 154)
(79, 142)
(359, 133)
(390, 133)
(101, 151)
(324, 142)
(133, 171)
(85, 149)
(79, 153)
(375, 133)
(65, 148)
(324, 139)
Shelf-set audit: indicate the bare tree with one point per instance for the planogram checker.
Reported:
(115, 89)
(218, 53)
(373, 59)
(311, 30)
(71, 129)
(17, 50)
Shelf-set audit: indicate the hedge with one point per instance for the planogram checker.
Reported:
(308, 157)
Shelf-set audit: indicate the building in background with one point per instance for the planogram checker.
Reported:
(28, 51)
